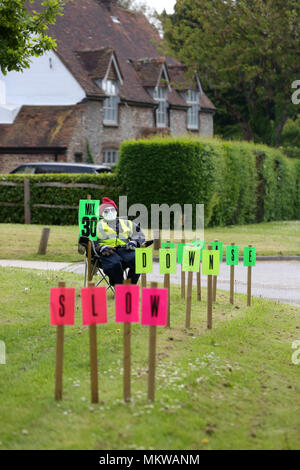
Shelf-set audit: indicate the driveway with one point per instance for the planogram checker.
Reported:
(277, 280)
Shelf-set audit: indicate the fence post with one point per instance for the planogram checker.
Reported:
(27, 213)
(44, 241)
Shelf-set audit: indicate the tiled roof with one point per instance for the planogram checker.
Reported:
(88, 33)
(40, 126)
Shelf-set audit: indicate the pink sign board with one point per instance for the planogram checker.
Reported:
(127, 298)
(62, 306)
(94, 306)
(154, 306)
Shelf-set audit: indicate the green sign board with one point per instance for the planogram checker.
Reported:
(210, 262)
(168, 245)
(143, 260)
(167, 261)
(88, 218)
(201, 245)
(249, 256)
(232, 255)
(218, 246)
(191, 259)
(180, 251)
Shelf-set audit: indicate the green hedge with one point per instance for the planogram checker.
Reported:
(53, 196)
(238, 182)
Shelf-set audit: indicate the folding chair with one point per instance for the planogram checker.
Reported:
(96, 264)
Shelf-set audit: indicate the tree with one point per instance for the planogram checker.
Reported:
(23, 31)
(247, 54)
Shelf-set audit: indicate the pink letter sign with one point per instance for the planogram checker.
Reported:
(62, 305)
(154, 306)
(127, 303)
(94, 308)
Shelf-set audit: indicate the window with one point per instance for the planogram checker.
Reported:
(110, 87)
(78, 157)
(110, 156)
(160, 95)
(192, 114)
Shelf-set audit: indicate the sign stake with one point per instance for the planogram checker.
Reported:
(199, 283)
(182, 279)
(209, 299)
(93, 359)
(249, 279)
(152, 353)
(215, 285)
(232, 282)
(167, 286)
(59, 356)
(144, 279)
(189, 300)
(126, 357)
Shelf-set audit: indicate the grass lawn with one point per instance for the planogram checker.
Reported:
(233, 387)
(19, 241)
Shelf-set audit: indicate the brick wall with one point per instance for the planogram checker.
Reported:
(9, 162)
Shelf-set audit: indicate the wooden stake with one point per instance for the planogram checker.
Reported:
(93, 360)
(182, 279)
(189, 300)
(249, 279)
(144, 280)
(152, 351)
(59, 357)
(199, 283)
(167, 286)
(126, 357)
(215, 285)
(44, 241)
(231, 298)
(209, 299)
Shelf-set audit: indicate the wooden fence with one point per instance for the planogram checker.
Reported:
(26, 203)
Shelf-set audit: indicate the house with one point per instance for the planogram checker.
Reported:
(105, 83)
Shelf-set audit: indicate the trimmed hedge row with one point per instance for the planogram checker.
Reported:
(53, 196)
(238, 182)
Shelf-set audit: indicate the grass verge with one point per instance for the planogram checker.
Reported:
(233, 387)
(22, 241)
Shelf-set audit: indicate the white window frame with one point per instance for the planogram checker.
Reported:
(192, 100)
(110, 104)
(160, 95)
(110, 156)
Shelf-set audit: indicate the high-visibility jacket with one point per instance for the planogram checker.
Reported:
(108, 236)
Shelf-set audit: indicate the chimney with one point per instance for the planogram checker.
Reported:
(108, 3)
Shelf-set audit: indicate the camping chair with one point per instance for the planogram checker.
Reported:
(96, 264)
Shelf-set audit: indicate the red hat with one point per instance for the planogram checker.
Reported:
(107, 202)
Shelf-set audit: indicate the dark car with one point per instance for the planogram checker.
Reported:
(55, 167)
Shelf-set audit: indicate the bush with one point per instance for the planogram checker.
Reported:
(53, 196)
(238, 182)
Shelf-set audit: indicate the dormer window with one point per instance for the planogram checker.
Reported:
(160, 95)
(110, 105)
(193, 111)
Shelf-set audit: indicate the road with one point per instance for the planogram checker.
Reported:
(277, 280)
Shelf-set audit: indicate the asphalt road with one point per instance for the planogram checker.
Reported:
(277, 280)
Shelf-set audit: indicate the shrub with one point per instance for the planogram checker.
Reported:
(53, 195)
